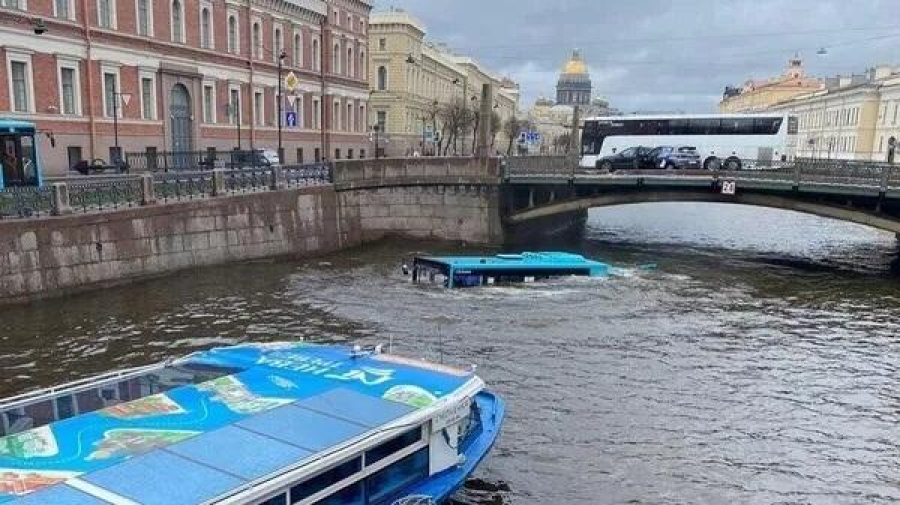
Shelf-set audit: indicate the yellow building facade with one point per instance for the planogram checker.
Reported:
(411, 80)
(756, 96)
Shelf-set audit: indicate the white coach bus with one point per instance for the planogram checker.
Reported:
(732, 141)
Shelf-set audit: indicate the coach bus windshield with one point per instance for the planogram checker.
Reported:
(18, 159)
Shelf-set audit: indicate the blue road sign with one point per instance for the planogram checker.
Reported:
(290, 119)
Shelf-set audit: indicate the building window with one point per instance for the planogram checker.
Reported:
(337, 154)
(15, 4)
(316, 55)
(234, 42)
(382, 121)
(298, 109)
(382, 44)
(110, 94)
(21, 83)
(177, 22)
(298, 50)
(299, 155)
(209, 103)
(316, 116)
(258, 109)
(363, 121)
(206, 27)
(349, 122)
(234, 105)
(336, 116)
(69, 89)
(362, 154)
(106, 14)
(362, 65)
(350, 61)
(336, 60)
(257, 40)
(278, 44)
(64, 9)
(148, 97)
(382, 78)
(144, 9)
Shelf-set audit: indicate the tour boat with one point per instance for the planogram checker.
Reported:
(469, 271)
(254, 424)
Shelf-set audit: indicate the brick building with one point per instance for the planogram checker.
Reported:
(186, 75)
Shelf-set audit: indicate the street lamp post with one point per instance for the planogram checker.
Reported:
(281, 58)
(116, 97)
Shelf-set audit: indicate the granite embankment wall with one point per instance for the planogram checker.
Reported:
(452, 199)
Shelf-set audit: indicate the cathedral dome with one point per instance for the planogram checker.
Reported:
(575, 67)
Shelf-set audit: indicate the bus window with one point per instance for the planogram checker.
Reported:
(737, 126)
(29, 161)
(767, 126)
(704, 127)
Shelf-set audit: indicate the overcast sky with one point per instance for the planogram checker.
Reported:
(662, 55)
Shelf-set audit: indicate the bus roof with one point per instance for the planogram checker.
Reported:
(682, 116)
(16, 125)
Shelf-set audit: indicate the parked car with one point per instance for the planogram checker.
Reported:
(628, 159)
(677, 157)
(98, 166)
(257, 158)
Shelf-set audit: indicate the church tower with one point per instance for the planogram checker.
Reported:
(574, 86)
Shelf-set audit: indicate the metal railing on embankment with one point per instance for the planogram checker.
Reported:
(186, 161)
(85, 195)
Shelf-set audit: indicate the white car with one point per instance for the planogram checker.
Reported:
(269, 157)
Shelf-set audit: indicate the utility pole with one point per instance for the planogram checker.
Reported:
(281, 58)
(484, 123)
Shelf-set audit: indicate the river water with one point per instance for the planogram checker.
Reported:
(758, 363)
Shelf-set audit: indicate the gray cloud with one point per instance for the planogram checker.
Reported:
(662, 54)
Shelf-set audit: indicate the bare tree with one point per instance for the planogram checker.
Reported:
(457, 119)
(511, 129)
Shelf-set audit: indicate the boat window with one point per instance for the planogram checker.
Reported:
(382, 485)
(325, 479)
(44, 411)
(351, 495)
(393, 446)
(277, 500)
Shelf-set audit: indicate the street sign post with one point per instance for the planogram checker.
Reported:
(429, 133)
(290, 119)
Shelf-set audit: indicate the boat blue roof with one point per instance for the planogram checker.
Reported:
(18, 124)
(285, 405)
(512, 262)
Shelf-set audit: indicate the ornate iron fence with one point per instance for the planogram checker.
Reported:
(105, 195)
(175, 161)
(307, 175)
(25, 202)
(177, 186)
(248, 180)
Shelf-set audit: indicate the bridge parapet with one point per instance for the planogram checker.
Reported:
(385, 172)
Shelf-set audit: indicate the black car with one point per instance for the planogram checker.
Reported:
(632, 158)
(669, 157)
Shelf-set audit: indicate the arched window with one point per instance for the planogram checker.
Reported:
(298, 50)
(316, 55)
(336, 56)
(257, 41)
(279, 44)
(233, 46)
(205, 28)
(382, 78)
(177, 22)
(362, 65)
(350, 61)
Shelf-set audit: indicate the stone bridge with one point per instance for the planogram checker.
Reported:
(860, 192)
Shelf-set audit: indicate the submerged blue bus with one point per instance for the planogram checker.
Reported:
(19, 163)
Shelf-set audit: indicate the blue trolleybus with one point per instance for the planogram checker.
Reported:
(19, 163)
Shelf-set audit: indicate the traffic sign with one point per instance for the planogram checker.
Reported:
(429, 133)
(290, 119)
(291, 82)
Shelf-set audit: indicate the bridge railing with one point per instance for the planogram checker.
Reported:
(801, 171)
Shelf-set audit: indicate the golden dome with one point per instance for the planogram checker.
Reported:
(575, 65)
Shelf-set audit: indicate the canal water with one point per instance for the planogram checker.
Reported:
(759, 362)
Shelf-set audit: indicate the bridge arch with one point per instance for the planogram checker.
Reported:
(822, 209)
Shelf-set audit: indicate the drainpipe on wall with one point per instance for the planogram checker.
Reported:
(85, 22)
(325, 140)
(252, 93)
